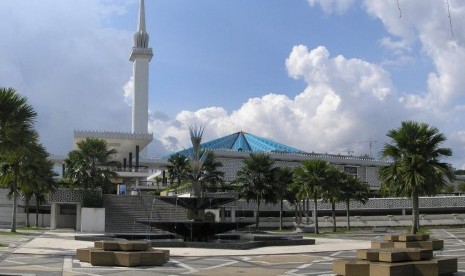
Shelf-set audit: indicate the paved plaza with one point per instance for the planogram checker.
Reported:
(53, 253)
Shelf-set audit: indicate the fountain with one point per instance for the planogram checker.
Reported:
(198, 229)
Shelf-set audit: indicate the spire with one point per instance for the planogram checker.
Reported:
(141, 38)
(141, 26)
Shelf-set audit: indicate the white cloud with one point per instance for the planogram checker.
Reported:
(128, 91)
(428, 22)
(333, 6)
(343, 102)
(68, 62)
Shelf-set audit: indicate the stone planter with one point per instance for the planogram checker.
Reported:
(92, 220)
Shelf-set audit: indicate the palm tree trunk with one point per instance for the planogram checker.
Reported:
(348, 213)
(27, 213)
(415, 212)
(333, 214)
(257, 217)
(307, 207)
(296, 212)
(281, 216)
(37, 212)
(315, 208)
(15, 202)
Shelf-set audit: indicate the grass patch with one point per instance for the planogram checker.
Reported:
(423, 230)
(3, 245)
(5, 233)
(31, 228)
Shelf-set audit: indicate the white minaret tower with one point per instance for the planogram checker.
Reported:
(141, 55)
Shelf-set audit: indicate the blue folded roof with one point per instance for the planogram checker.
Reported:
(242, 141)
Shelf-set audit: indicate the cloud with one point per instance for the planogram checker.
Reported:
(428, 23)
(343, 103)
(128, 91)
(333, 6)
(63, 59)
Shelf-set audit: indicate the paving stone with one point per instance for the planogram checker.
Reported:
(101, 258)
(391, 238)
(107, 245)
(154, 257)
(381, 244)
(432, 244)
(134, 246)
(403, 244)
(128, 259)
(426, 268)
(422, 237)
(407, 238)
(391, 269)
(446, 265)
(351, 267)
(371, 255)
(398, 256)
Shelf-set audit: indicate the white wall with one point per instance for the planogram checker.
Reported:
(93, 220)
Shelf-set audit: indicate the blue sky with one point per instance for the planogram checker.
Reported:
(318, 75)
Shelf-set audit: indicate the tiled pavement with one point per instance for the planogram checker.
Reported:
(52, 253)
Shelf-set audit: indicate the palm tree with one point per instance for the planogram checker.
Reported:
(38, 180)
(212, 177)
(16, 121)
(331, 189)
(308, 179)
(352, 188)
(416, 169)
(284, 177)
(90, 166)
(256, 181)
(177, 168)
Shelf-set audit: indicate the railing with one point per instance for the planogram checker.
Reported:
(142, 200)
(132, 169)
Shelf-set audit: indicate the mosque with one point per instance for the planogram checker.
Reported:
(139, 172)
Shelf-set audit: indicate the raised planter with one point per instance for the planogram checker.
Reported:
(92, 220)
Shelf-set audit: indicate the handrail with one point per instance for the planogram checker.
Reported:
(139, 193)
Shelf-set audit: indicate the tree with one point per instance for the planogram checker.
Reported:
(38, 179)
(16, 133)
(416, 169)
(256, 181)
(461, 187)
(90, 166)
(177, 169)
(331, 187)
(352, 188)
(284, 177)
(212, 177)
(308, 179)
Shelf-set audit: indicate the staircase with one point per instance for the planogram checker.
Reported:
(121, 213)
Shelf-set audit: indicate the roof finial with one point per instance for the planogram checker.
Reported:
(141, 25)
(141, 38)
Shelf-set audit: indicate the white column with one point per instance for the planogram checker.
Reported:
(141, 98)
(53, 216)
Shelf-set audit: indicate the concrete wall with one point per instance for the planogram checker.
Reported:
(6, 211)
(93, 220)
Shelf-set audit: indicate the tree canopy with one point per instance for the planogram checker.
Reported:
(91, 166)
(416, 168)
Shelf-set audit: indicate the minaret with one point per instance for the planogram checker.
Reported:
(141, 55)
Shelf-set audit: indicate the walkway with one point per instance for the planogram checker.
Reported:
(52, 253)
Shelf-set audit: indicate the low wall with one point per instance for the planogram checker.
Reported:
(363, 221)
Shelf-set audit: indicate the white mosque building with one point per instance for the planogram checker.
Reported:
(139, 172)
